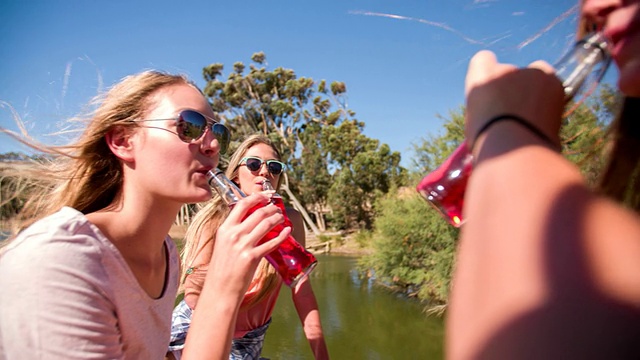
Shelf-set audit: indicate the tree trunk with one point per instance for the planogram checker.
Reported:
(320, 220)
(298, 206)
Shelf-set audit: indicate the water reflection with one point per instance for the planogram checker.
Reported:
(360, 320)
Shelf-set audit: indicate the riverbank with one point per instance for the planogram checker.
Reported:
(349, 247)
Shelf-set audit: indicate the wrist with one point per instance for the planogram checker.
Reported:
(478, 139)
(504, 138)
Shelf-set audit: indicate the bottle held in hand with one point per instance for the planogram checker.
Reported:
(292, 261)
(580, 71)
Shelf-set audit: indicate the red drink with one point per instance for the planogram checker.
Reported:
(444, 188)
(292, 261)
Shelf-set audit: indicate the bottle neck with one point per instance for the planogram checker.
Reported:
(227, 189)
(267, 186)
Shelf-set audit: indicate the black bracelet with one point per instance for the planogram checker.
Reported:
(516, 119)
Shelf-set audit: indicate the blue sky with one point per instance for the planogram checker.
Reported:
(403, 62)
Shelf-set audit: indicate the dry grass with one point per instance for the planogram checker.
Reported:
(177, 231)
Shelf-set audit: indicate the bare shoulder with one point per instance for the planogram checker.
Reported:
(298, 231)
(292, 213)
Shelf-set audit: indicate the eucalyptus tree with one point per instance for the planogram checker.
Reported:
(308, 121)
(366, 171)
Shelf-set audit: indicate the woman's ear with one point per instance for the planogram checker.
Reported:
(118, 140)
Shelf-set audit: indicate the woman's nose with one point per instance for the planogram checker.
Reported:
(210, 145)
(264, 171)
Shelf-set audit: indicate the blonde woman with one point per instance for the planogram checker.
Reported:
(255, 160)
(95, 275)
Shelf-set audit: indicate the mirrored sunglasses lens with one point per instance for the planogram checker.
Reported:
(191, 125)
(223, 136)
(275, 168)
(253, 164)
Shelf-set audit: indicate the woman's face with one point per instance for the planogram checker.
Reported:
(620, 23)
(251, 181)
(165, 165)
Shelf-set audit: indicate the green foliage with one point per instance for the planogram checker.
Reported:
(413, 247)
(312, 170)
(363, 238)
(331, 163)
(366, 171)
(431, 151)
(584, 134)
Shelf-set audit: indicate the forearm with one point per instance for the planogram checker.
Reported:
(307, 308)
(232, 267)
(313, 332)
(212, 324)
(527, 252)
(500, 264)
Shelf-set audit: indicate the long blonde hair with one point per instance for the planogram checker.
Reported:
(85, 174)
(205, 224)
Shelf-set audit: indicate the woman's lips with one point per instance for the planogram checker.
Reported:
(622, 26)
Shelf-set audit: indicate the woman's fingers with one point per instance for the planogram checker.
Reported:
(243, 207)
(250, 220)
(544, 66)
(480, 67)
(270, 245)
(492, 88)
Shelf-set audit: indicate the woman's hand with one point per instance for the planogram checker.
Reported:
(236, 254)
(533, 93)
(235, 258)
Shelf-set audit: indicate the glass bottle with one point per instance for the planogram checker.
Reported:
(290, 259)
(580, 70)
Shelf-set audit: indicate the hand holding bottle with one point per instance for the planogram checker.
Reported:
(240, 240)
(292, 262)
(530, 97)
(533, 93)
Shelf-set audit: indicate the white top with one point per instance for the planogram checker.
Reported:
(66, 292)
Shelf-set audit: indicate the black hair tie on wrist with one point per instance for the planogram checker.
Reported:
(517, 119)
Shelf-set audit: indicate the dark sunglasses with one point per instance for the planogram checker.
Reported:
(275, 167)
(191, 126)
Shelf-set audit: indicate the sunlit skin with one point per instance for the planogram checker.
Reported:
(251, 181)
(185, 181)
(545, 267)
(619, 20)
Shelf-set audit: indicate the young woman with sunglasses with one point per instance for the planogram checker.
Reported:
(548, 268)
(255, 160)
(95, 274)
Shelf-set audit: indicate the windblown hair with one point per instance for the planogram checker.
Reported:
(204, 226)
(620, 179)
(85, 174)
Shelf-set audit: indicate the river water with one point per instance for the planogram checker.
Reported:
(360, 320)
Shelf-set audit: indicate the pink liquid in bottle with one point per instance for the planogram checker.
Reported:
(290, 259)
(444, 188)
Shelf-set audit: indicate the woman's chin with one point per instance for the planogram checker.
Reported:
(204, 194)
(629, 78)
